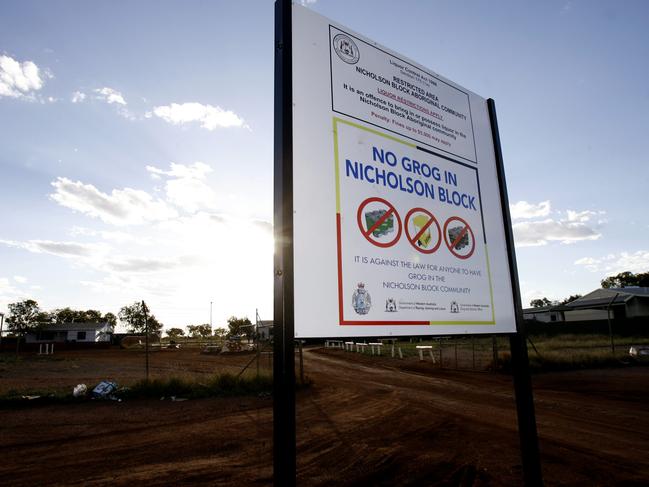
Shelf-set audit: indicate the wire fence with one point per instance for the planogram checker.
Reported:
(56, 368)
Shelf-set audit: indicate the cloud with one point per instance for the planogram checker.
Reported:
(112, 236)
(121, 207)
(62, 249)
(209, 117)
(78, 97)
(586, 261)
(8, 294)
(535, 233)
(197, 170)
(524, 210)
(20, 279)
(583, 216)
(613, 264)
(18, 79)
(6, 287)
(573, 227)
(186, 262)
(177, 249)
(110, 96)
(143, 264)
(263, 225)
(186, 186)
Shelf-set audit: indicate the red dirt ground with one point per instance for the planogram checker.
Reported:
(364, 422)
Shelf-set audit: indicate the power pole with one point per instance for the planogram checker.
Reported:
(211, 329)
(146, 340)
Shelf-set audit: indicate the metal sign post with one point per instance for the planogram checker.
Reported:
(530, 454)
(330, 102)
(284, 464)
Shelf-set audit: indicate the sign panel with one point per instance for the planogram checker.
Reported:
(398, 226)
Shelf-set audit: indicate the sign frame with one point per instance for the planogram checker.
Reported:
(284, 425)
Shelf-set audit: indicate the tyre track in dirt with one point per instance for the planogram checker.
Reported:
(364, 422)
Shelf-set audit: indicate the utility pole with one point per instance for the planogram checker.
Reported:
(2, 322)
(610, 327)
(146, 340)
(211, 329)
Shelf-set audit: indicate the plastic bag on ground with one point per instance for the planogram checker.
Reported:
(104, 389)
(80, 390)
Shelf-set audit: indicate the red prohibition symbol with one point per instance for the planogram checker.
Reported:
(464, 229)
(379, 222)
(417, 240)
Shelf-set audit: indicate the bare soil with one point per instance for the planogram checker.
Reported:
(364, 422)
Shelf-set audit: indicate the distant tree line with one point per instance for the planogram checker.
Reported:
(27, 317)
(242, 327)
(627, 279)
(539, 303)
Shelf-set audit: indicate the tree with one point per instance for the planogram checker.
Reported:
(539, 303)
(69, 315)
(570, 298)
(240, 326)
(202, 331)
(175, 333)
(111, 319)
(626, 279)
(220, 332)
(134, 317)
(23, 318)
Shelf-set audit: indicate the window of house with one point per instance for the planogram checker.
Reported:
(81, 335)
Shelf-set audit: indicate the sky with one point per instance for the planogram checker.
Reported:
(136, 142)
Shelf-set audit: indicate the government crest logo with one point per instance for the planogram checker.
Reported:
(361, 300)
(454, 307)
(346, 49)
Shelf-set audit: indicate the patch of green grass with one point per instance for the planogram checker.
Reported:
(221, 385)
(552, 361)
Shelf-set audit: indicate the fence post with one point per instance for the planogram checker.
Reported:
(473, 353)
(299, 342)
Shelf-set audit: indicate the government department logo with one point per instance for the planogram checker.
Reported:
(361, 300)
(346, 49)
(454, 307)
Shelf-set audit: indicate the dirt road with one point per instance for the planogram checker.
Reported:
(364, 422)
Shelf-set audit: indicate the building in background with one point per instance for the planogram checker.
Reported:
(71, 333)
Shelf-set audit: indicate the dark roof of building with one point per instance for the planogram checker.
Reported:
(597, 299)
(635, 290)
(602, 298)
(546, 309)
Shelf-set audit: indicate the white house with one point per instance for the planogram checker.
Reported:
(71, 332)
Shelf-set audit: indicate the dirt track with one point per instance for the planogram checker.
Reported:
(362, 423)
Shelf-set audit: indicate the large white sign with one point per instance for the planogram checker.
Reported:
(398, 224)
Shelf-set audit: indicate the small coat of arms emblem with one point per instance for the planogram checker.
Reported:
(346, 48)
(361, 300)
